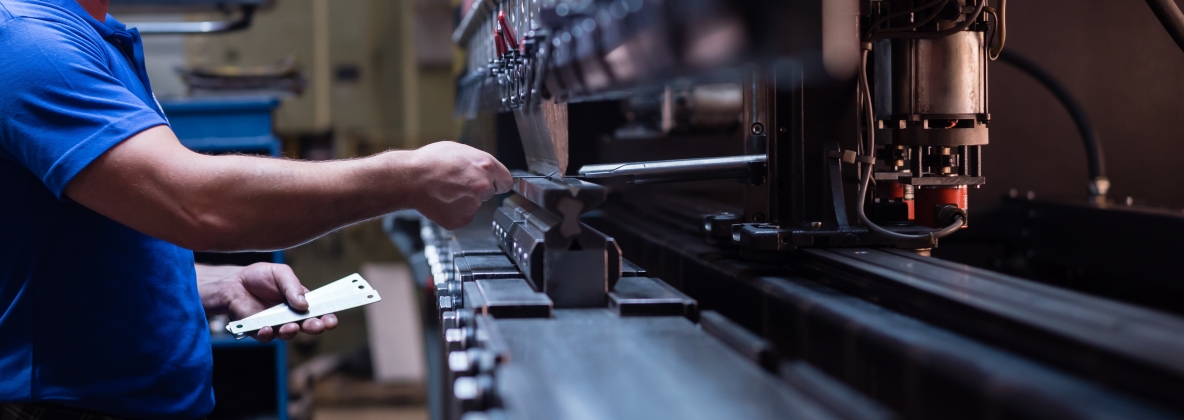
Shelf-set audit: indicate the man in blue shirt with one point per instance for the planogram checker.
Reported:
(101, 307)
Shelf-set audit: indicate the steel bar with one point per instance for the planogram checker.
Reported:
(678, 170)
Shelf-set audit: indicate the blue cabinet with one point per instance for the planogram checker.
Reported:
(230, 124)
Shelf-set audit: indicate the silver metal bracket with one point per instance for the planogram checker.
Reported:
(347, 293)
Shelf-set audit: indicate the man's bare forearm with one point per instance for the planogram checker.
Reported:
(262, 204)
(235, 203)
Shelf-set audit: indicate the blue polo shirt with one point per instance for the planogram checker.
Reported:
(93, 314)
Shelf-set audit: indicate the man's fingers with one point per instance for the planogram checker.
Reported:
(289, 285)
(289, 331)
(502, 180)
(264, 334)
(488, 193)
(330, 321)
(242, 308)
(312, 326)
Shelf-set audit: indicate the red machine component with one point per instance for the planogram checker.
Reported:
(929, 198)
(894, 190)
(500, 42)
(510, 37)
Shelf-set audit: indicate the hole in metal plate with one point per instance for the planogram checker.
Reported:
(361, 287)
(370, 297)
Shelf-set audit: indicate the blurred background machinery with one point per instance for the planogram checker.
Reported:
(794, 178)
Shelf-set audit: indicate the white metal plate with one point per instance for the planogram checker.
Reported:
(347, 293)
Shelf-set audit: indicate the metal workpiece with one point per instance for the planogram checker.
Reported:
(346, 293)
(644, 296)
(1124, 346)
(746, 166)
(543, 129)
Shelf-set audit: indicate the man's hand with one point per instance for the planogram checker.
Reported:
(456, 179)
(244, 291)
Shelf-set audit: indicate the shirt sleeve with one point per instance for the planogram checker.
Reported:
(60, 106)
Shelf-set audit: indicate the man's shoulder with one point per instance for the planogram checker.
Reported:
(32, 14)
(31, 29)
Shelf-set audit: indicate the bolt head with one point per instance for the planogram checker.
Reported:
(459, 362)
(466, 389)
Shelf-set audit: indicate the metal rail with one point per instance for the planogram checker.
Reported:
(828, 319)
(187, 28)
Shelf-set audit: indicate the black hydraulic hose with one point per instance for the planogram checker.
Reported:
(1169, 15)
(1093, 149)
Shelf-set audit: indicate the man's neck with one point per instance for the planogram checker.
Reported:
(96, 8)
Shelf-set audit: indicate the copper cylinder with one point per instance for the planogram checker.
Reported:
(930, 197)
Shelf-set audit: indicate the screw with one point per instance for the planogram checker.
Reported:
(758, 128)
(758, 217)
(815, 225)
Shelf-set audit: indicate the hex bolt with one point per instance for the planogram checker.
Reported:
(460, 363)
(457, 339)
(473, 392)
(464, 318)
(466, 389)
(448, 319)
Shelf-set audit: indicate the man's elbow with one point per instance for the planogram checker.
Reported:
(207, 231)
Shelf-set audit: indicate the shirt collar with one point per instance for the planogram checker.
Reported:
(105, 29)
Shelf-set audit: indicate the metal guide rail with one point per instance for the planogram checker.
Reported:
(920, 335)
(512, 352)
